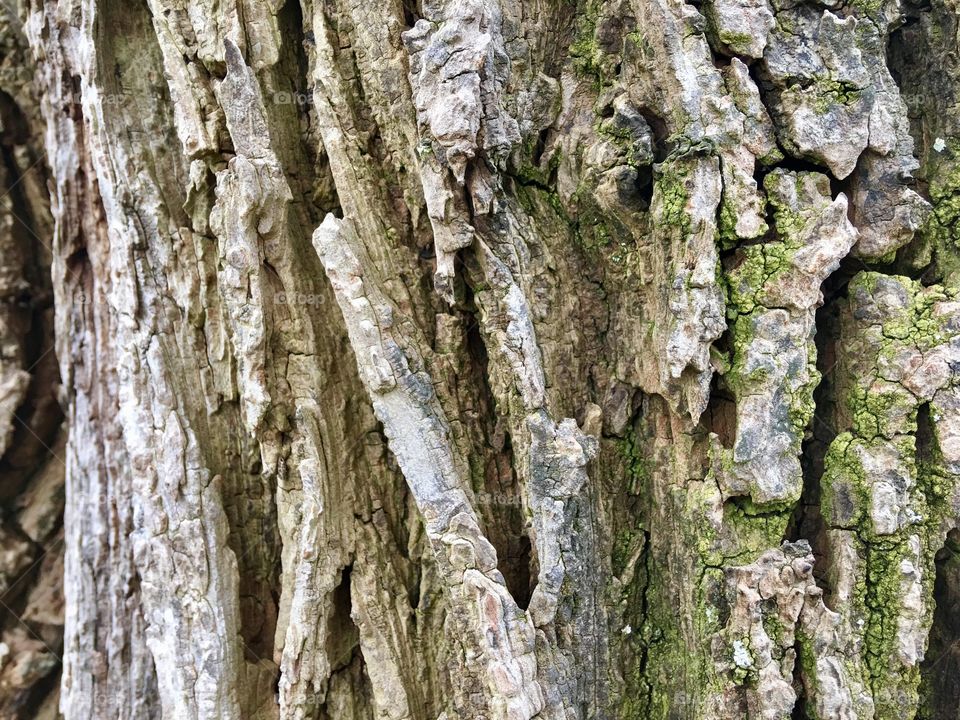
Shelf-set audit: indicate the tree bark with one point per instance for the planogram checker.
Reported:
(480, 359)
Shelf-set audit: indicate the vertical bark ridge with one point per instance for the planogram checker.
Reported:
(31, 439)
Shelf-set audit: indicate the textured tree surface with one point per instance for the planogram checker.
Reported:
(479, 359)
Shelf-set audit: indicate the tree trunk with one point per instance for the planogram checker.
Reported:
(480, 359)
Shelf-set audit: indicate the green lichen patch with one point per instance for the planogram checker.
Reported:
(888, 491)
(942, 228)
(671, 196)
(794, 201)
(829, 92)
(759, 266)
(529, 172)
(637, 464)
(755, 528)
(590, 60)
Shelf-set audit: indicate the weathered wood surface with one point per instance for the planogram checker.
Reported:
(463, 359)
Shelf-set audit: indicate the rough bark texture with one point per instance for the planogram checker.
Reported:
(480, 359)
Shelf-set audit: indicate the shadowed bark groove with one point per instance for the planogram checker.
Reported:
(479, 359)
